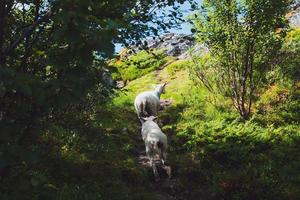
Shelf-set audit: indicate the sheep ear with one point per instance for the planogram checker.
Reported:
(143, 119)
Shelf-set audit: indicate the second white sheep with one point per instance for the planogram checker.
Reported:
(156, 143)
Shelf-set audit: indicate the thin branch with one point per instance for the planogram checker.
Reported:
(26, 33)
(28, 43)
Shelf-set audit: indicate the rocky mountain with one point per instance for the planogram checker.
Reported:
(178, 45)
(174, 44)
(294, 15)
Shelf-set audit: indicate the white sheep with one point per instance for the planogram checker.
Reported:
(147, 103)
(155, 142)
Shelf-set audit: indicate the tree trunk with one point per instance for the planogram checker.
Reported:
(2, 29)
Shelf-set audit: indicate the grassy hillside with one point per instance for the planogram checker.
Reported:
(66, 133)
(214, 153)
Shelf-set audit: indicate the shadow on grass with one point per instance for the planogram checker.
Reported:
(228, 166)
(83, 160)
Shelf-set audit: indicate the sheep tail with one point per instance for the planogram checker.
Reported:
(143, 109)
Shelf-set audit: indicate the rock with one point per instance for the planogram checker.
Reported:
(294, 18)
(124, 130)
(178, 45)
(107, 78)
(120, 84)
(164, 103)
(173, 44)
(295, 5)
(197, 50)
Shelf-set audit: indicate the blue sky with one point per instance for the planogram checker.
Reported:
(185, 27)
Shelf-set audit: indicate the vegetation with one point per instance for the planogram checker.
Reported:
(289, 60)
(216, 155)
(243, 37)
(52, 56)
(64, 135)
(219, 156)
(138, 64)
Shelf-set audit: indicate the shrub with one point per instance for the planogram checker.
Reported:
(139, 64)
(291, 56)
(178, 65)
(220, 156)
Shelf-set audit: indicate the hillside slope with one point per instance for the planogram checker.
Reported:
(213, 153)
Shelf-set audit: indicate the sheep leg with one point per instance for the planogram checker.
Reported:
(148, 153)
(166, 168)
(163, 160)
(161, 156)
(168, 171)
(152, 164)
(162, 153)
(164, 157)
(155, 172)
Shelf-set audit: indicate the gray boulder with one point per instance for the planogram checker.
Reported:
(294, 18)
(107, 78)
(174, 44)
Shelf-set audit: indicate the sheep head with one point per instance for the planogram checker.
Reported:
(151, 118)
(161, 88)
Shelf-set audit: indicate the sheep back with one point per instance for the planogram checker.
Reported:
(152, 132)
(147, 104)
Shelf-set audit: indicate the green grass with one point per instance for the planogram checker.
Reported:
(139, 64)
(215, 154)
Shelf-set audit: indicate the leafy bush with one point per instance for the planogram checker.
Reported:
(291, 55)
(240, 47)
(178, 65)
(217, 155)
(139, 64)
(279, 105)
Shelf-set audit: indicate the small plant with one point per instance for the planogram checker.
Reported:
(139, 64)
(290, 58)
(178, 65)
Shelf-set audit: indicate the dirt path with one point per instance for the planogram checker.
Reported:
(157, 72)
(166, 188)
(157, 75)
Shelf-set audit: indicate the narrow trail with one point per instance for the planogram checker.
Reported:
(162, 190)
(166, 188)
(157, 75)
(158, 71)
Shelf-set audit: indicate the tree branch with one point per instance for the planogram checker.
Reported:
(28, 46)
(5, 7)
(26, 33)
(2, 25)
